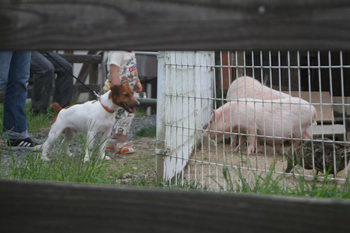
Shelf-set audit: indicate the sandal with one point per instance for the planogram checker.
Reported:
(123, 149)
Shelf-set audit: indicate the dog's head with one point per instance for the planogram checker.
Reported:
(123, 96)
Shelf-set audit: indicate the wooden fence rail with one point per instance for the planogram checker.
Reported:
(171, 25)
(177, 24)
(51, 207)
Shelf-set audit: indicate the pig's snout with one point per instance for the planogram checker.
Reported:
(205, 126)
(210, 133)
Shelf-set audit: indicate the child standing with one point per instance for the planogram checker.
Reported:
(121, 66)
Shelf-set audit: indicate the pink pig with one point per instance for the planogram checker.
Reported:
(285, 118)
(248, 87)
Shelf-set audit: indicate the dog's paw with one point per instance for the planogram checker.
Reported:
(37, 148)
(107, 158)
(86, 159)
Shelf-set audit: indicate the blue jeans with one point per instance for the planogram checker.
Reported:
(14, 75)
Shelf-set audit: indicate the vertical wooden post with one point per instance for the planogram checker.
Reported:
(93, 78)
(226, 58)
(239, 62)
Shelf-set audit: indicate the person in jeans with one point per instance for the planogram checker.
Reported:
(14, 75)
(43, 66)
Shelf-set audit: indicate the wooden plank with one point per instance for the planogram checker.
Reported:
(177, 24)
(328, 131)
(79, 58)
(82, 89)
(226, 76)
(53, 207)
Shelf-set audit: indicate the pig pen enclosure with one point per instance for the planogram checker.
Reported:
(288, 111)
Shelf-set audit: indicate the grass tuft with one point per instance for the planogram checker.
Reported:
(149, 132)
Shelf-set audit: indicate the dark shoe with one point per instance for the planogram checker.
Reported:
(36, 112)
(18, 144)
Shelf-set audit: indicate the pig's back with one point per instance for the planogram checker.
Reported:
(248, 87)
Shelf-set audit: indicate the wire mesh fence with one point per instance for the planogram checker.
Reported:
(268, 115)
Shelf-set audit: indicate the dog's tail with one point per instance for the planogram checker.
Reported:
(56, 107)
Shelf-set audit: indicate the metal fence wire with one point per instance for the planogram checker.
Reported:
(282, 114)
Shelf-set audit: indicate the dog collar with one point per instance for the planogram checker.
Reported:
(105, 108)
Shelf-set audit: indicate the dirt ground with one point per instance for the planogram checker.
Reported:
(136, 167)
(206, 166)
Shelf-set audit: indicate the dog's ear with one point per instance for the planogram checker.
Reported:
(115, 90)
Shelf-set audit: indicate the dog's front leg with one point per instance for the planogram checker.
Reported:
(90, 139)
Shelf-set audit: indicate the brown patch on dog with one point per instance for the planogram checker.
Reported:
(57, 108)
(123, 96)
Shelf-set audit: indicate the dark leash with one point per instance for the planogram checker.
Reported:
(94, 92)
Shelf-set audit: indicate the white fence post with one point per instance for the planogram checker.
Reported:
(160, 146)
(185, 79)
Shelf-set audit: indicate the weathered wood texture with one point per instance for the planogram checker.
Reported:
(90, 66)
(76, 58)
(51, 207)
(177, 24)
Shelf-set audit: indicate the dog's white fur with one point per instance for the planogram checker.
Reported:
(89, 117)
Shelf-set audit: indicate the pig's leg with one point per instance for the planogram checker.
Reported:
(233, 140)
(278, 148)
(306, 135)
(260, 148)
(241, 144)
(251, 140)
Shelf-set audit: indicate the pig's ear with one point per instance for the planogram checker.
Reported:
(213, 111)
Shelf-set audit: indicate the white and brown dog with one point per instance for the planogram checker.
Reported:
(93, 117)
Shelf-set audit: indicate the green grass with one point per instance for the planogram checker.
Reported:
(140, 112)
(149, 132)
(61, 168)
(267, 183)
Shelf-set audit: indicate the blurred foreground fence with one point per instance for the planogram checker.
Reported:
(51, 207)
(169, 25)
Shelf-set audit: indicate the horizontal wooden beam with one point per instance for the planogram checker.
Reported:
(59, 207)
(77, 58)
(82, 89)
(176, 24)
(147, 102)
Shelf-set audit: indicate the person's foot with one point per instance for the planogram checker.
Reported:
(18, 144)
(35, 112)
(122, 149)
